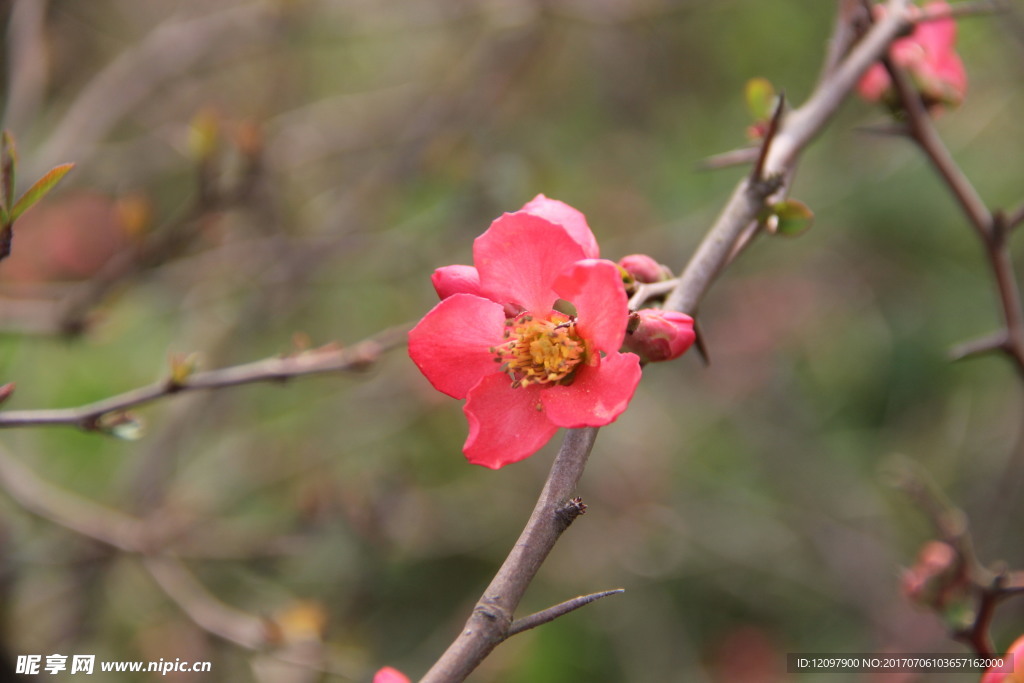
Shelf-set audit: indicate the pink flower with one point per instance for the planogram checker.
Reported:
(643, 268)
(1013, 672)
(389, 675)
(660, 335)
(928, 56)
(496, 340)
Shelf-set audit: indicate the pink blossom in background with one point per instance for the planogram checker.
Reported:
(928, 55)
(497, 341)
(390, 675)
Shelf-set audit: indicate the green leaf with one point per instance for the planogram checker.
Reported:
(760, 94)
(793, 217)
(39, 190)
(8, 164)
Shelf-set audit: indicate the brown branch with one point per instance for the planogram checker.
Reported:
(146, 539)
(209, 613)
(491, 619)
(551, 613)
(988, 588)
(992, 228)
(1015, 218)
(797, 129)
(277, 369)
(72, 512)
(165, 53)
(649, 290)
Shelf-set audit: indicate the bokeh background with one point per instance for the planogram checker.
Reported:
(260, 170)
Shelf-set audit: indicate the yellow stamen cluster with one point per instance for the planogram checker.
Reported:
(540, 351)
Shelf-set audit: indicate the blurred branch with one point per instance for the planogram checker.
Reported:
(992, 228)
(987, 587)
(165, 53)
(65, 509)
(132, 535)
(491, 619)
(735, 157)
(204, 608)
(27, 62)
(277, 369)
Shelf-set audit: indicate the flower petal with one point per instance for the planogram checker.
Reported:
(450, 345)
(455, 279)
(520, 256)
(874, 83)
(594, 287)
(937, 36)
(569, 218)
(505, 424)
(597, 396)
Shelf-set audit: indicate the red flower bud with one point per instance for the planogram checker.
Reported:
(643, 268)
(659, 335)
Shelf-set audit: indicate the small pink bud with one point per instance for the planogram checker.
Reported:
(937, 576)
(643, 268)
(455, 280)
(659, 335)
(390, 675)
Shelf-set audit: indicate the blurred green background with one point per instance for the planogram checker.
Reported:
(306, 164)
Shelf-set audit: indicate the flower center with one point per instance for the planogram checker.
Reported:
(540, 351)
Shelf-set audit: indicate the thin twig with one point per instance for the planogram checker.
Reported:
(989, 588)
(276, 369)
(965, 8)
(736, 157)
(551, 613)
(85, 517)
(649, 290)
(797, 129)
(166, 52)
(992, 228)
(990, 343)
(924, 133)
(1015, 217)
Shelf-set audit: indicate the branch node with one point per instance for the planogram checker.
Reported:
(572, 509)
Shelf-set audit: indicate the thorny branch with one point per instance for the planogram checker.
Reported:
(986, 586)
(992, 228)
(491, 619)
(277, 369)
